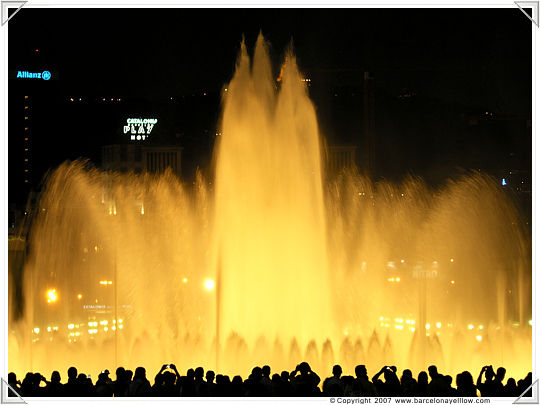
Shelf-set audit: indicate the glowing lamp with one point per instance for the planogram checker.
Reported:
(209, 284)
(51, 295)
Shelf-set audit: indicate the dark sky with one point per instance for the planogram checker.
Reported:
(465, 57)
(476, 56)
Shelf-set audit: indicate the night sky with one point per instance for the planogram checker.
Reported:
(480, 58)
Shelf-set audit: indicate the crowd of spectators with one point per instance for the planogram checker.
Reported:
(301, 382)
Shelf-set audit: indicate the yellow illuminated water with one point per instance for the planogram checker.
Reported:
(279, 261)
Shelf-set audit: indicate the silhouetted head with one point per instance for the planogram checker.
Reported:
(448, 379)
(12, 378)
(199, 372)
(266, 371)
(55, 377)
(285, 376)
(72, 372)
(501, 372)
(140, 373)
(210, 376)
(337, 371)
(511, 383)
(360, 371)
(81, 377)
(120, 371)
(190, 374)
(465, 378)
(256, 373)
(304, 368)
(169, 378)
(394, 369)
(432, 370)
(406, 375)
(490, 373)
(276, 379)
(237, 380)
(128, 375)
(37, 378)
(422, 377)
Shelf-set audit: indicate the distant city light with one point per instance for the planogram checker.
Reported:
(471, 326)
(209, 284)
(51, 295)
(438, 324)
(479, 338)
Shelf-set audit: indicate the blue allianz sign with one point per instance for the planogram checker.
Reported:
(24, 74)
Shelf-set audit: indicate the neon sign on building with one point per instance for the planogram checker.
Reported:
(139, 129)
(23, 74)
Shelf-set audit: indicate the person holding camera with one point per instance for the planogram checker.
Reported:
(305, 384)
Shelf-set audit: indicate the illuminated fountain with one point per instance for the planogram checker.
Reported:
(341, 271)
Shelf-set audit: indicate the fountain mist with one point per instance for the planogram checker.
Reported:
(345, 271)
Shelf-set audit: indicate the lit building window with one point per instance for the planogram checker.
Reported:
(25, 96)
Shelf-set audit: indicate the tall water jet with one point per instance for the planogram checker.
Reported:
(347, 270)
(270, 218)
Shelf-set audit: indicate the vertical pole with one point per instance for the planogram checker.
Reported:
(115, 307)
(218, 302)
(422, 318)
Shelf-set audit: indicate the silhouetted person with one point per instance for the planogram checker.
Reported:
(527, 382)
(498, 386)
(54, 388)
(437, 387)
(210, 376)
(87, 387)
(73, 387)
(287, 388)
(266, 381)
(199, 380)
(391, 386)
(253, 385)
(140, 386)
(511, 388)
(333, 386)
(187, 384)
(409, 386)
(452, 391)
(223, 386)
(422, 384)
(129, 376)
(165, 382)
(104, 387)
(486, 388)
(465, 385)
(120, 384)
(15, 384)
(237, 387)
(361, 386)
(305, 384)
